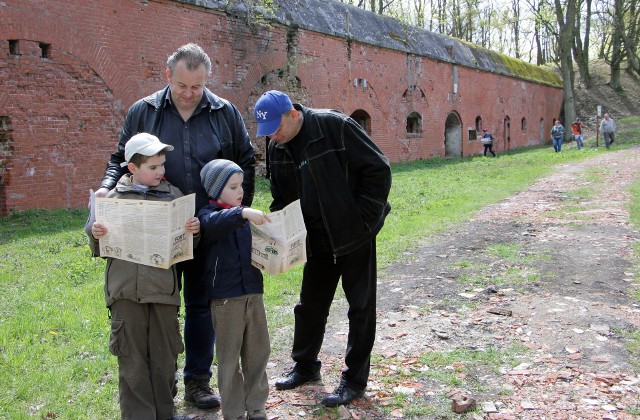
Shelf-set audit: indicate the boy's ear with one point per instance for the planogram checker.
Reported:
(132, 167)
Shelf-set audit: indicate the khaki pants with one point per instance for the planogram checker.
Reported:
(242, 346)
(146, 338)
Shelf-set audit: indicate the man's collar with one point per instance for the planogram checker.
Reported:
(204, 100)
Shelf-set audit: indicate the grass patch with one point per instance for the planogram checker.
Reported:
(634, 216)
(464, 360)
(508, 251)
(514, 267)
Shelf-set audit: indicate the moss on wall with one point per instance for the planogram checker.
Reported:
(529, 71)
(515, 67)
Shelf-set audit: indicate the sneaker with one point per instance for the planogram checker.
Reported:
(197, 391)
(257, 415)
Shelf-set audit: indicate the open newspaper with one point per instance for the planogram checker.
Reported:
(145, 232)
(280, 245)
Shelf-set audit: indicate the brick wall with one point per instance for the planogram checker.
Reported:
(69, 70)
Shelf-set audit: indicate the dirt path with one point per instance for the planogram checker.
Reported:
(531, 300)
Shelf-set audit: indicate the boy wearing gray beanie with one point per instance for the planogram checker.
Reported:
(235, 292)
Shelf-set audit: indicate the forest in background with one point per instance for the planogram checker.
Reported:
(566, 34)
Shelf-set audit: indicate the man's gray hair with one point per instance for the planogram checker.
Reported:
(192, 55)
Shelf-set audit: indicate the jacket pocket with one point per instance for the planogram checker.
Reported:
(118, 341)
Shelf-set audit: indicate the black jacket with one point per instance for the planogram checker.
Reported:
(351, 175)
(146, 115)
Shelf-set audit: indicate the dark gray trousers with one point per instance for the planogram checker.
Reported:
(146, 338)
(243, 349)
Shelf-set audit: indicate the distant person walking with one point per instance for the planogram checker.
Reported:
(608, 129)
(576, 127)
(557, 135)
(487, 142)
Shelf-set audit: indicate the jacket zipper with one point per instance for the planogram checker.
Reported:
(215, 274)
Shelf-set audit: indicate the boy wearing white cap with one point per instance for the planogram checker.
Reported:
(234, 291)
(143, 300)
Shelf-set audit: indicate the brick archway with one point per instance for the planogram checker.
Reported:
(453, 136)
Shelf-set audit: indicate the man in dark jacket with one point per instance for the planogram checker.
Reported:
(325, 159)
(201, 127)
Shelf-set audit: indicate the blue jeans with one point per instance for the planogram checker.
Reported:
(199, 335)
(579, 141)
(557, 144)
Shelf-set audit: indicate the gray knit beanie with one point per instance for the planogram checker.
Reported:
(215, 174)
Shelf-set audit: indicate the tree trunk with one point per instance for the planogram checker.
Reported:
(632, 57)
(565, 45)
(580, 49)
(631, 37)
(537, 32)
(616, 45)
(515, 8)
(419, 10)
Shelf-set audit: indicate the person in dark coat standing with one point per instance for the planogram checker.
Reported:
(327, 161)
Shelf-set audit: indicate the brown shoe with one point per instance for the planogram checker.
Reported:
(198, 392)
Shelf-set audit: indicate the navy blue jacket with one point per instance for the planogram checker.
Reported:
(225, 254)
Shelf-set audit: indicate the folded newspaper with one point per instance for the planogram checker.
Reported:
(145, 232)
(280, 245)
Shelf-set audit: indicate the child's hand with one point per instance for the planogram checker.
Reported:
(192, 226)
(98, 230)
(256, 216)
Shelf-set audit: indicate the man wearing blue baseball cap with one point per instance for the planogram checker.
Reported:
(326, 160)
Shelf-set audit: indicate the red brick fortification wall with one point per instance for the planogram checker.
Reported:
(70, 69)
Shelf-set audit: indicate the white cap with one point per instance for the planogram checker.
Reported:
(144, 143)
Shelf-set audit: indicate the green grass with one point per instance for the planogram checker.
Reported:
(54, 326)
(516, 271)
(634, 216)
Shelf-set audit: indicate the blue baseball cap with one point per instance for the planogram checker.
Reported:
(268, 111)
